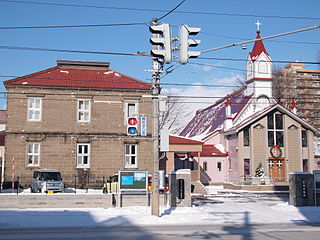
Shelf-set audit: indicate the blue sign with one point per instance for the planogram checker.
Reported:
(143, 126)
(127, 180)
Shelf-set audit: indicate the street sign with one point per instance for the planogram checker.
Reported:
(143, 126)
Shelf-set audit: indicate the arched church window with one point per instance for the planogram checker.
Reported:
(263, 67)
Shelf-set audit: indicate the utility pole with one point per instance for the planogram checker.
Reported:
(155, 134)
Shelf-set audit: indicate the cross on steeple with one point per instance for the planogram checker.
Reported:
(258, 25)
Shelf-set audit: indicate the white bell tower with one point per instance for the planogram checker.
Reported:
(259, 70)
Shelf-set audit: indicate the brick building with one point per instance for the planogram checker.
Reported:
(73, 118)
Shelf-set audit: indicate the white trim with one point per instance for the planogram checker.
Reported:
(84, 111)
(33, 109)
(33, 154)
(129, 155)
(82, 155)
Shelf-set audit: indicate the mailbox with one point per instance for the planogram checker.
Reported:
(181, 189)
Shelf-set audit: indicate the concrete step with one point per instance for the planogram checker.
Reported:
(198, 188)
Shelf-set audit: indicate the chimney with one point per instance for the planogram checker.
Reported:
(83, 64)
(228, 119)
(293, 106)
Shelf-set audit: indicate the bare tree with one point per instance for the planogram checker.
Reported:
(176, 114)
(284, 86)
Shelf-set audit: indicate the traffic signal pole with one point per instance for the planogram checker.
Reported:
(155, 134)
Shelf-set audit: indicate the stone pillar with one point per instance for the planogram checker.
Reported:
(301, 189)
(181, 177)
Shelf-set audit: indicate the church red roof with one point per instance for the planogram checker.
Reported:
(258, 48)
(182, 140)
(80, 77)
(210, 151)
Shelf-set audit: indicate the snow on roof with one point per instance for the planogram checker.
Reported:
(212, 118)
(80, 77)
(212, 150)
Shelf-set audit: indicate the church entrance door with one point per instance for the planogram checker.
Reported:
(277, 169)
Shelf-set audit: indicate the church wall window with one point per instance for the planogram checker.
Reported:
(275, 130)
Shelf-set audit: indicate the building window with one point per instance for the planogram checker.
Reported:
(130, 155)
(131, 109)
(83, 155)
(205, 166)
(34, 109)
(304, 138)
(246, 137)
(219, 166)
(305, 165)
(84, 110)
(275, 130)
(33, 154)
(246, 167)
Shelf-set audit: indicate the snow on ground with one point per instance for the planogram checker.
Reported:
(227, 208)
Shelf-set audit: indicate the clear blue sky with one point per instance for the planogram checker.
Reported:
(222, 22)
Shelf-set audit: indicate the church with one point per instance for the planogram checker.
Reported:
(247, 136)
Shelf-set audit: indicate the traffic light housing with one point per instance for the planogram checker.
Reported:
(162, 41)
(132, 126)
(185, 42)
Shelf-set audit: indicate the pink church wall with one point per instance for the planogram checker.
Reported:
(213, 174)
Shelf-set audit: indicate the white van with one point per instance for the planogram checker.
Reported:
(47, 181)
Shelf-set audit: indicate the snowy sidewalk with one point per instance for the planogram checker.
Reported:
(215, 210)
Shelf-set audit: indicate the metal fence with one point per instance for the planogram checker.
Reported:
(72, 183)
(252, 180)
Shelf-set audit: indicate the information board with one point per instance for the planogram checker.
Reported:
(133, 180)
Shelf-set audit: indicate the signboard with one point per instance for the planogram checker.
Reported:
(143, 126)
(133, 180)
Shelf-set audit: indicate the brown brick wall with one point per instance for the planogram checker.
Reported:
(58, 132)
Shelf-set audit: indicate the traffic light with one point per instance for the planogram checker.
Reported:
(162, 41)
(132, 126)
(185, 42)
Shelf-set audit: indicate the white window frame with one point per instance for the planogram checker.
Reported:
(136, 110)
(81, 155)
(83, 111)
(32, 110)
(129, 155)
(33, 154)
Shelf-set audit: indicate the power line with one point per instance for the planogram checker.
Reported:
(259, 39)
(245, 60)
(163, 11)
(171, 11)
(73, 26)
(68, 51)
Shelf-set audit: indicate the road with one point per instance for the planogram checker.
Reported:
(172, 232)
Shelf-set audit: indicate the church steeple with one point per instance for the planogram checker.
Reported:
(259, 69)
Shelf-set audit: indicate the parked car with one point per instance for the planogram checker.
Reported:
(47, 181)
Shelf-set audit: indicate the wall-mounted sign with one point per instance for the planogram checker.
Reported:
(143, 126)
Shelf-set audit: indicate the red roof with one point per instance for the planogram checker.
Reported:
(210, 151)
(258, 48)
(182, 140)
(68, 76)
